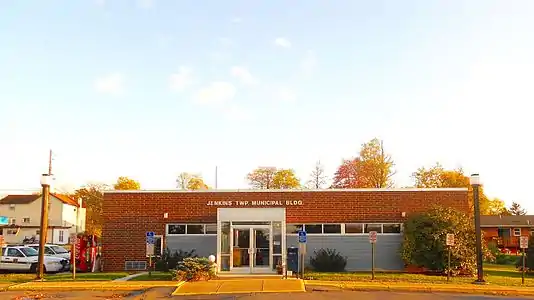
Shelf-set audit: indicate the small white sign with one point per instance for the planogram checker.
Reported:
(149, 249)
(372, 237)
(73, 238)
(450, 239)
(523, 242)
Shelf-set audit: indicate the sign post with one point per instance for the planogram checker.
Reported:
(372, 240)
(302, 250)
(150, 241)
(450, 242)
(523, 243)
(73, 241)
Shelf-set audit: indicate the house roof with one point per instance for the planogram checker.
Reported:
(19, 199)
(26, 199)
(507, 221)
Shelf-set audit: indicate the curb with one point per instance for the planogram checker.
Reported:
(89, 286)
(490, 290)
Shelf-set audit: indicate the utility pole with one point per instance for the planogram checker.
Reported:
(216, 174)
(46, 180)
(50, 163)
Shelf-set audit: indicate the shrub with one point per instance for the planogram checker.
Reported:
(529, 263)
(194, 269)
(424, 243)
(169, 260)
(328, 260)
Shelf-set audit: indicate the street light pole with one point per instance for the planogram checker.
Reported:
(475, 183)
(46, 180)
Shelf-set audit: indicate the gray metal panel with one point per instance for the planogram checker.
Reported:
(204, 245)
(357, 249)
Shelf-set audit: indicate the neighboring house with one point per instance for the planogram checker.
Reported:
(24, 213)
(505, 231)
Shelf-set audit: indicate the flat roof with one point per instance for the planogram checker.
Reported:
(290, 190)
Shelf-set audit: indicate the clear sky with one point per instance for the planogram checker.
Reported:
(148, 89)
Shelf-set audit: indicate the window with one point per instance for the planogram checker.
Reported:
(517, 231)
(503, 232)
(59, 250)
(373, 227)
(391, 228)
(211, 228)
(332, 228)
(29, 251)
(48, 251)
(195, 229)
(175, 229)
(14, 252)
(293, 228)
(61, 236)
(12, 207)
(12, 231)
(353, 228)
(25, 220)
(12, 221)
(313, 228)
(532, 231)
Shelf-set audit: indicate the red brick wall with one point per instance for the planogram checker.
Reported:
(128, 216)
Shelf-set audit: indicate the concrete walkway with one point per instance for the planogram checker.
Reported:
(130, 276)
(243, 286)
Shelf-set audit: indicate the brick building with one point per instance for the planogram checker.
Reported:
(250, 231)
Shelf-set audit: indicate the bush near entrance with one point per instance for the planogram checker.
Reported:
(328, 260)
(194, 269)
(170, 260)
(424, 244)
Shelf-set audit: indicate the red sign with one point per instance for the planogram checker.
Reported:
(372, 237)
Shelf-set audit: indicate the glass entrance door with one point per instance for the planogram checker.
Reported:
(261, 245)
(252, 248)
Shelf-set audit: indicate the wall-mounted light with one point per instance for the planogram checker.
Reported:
(403, 214)
(165, 215)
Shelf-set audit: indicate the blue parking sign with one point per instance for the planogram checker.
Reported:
(302, 236)
(150, 238)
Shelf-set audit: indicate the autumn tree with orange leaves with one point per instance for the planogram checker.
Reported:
(373, 168)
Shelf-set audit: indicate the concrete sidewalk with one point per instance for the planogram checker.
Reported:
(89, 285)
(430, 288)
(242, 286)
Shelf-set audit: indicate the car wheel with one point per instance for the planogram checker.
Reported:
(33, 268)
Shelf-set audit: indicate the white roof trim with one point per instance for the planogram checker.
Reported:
(290, 190)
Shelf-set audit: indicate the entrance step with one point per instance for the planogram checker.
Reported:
(250, 276)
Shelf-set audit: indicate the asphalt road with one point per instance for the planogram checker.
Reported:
(164, 293)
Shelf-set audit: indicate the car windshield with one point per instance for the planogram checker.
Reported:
(59, 250)
(29, 251)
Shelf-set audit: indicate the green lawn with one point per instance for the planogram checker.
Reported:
(20, 278)
(156, 276)
(505, 275)
(86, 276)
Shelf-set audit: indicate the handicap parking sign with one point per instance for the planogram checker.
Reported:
(302, 236)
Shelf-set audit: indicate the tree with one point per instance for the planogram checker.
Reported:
(424, 241)
(517, 210)
(317, 177)
(437, 177)
(125, 183)
(262, 177)
(188, 181)
(285, 179)
(197, 183)
(375, 166)
(92, 199)
(496, 207)
(371, 169)
(347, 175)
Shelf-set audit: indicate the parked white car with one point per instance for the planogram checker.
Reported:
(25, 259)
(52, 250)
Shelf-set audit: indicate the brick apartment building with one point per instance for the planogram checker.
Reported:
(250, 231)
